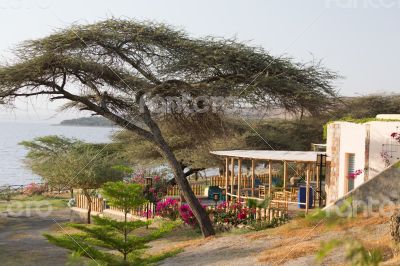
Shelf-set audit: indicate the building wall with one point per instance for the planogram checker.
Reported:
(367, 142)
(382, 142)
(352, 142)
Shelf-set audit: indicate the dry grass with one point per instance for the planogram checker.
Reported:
(283, 253)
(300, 238)
(383, 244)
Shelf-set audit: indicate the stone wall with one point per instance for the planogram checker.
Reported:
(333, 151)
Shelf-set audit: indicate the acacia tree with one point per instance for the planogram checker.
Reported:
(114, 67)
(70, 163)
(42, 157)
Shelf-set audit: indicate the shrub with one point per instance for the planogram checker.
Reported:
(187, 215)
(158, 189)
(234, 215)
(168, 209)
(6, 193)
(34, 189)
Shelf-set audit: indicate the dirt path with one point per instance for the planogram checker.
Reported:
(22, 243)
(229, 250)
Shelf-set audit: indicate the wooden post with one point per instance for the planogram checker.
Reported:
(318, 194)
(285, 174)
(232, 174)
(239, 177)
(308, 187)
(269, 179)
(226, 175)
(253, 163)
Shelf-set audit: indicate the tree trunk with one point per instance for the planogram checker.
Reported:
(198, 210)
(125, 232)
(89, 201)
(156, 137)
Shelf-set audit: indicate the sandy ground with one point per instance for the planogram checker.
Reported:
(22, 243)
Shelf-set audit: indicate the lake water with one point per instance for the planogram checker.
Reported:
(12, 169)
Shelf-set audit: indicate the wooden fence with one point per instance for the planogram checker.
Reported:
(174, 191)
(82, 202)
(245, 181)
(98, 205)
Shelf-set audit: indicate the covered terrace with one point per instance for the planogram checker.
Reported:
(307, 168)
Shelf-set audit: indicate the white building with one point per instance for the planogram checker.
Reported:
(367, 147)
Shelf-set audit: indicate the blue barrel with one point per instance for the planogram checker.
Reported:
(302, 197)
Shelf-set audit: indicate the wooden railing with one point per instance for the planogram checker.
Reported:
(82, 202)
(245, 181)
(174, 191)
(98, 205)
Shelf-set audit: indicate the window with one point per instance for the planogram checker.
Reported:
(350, 162)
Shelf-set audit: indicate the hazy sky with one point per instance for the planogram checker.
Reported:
(360, 39)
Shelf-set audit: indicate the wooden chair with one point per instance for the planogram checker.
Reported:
(261, 191)
(280, 201)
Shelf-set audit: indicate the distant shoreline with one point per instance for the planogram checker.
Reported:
(88, 122)
(76, 125)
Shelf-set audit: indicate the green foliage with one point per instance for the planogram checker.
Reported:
(253, 203)
(123, 195)
(262, 225)
(6, 193)
(66, 163)
(356, 253)
(194, 66)
(113, 235)
(76, 259)
(368, 106)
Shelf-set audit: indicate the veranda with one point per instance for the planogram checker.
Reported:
(306, 177)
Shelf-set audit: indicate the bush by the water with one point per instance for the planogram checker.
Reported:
(34, 189)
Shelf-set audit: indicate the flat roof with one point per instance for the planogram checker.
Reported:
(294, 156)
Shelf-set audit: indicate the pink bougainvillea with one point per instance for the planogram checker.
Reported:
(396, 136)
(187, 215)
(355, 174)
(34, 189)
(157, 191)
(237, 213)
(168, 209)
